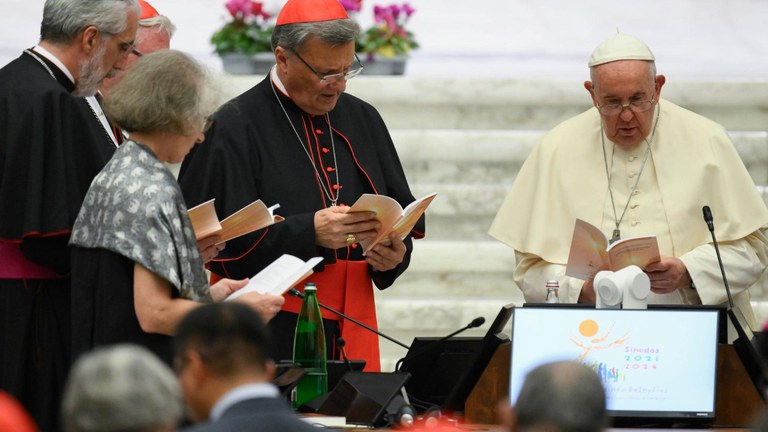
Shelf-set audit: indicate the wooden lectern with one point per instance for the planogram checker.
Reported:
(737, 402)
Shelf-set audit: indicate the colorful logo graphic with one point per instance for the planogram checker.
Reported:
(590, 338)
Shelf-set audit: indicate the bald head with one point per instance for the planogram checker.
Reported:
(561, 396)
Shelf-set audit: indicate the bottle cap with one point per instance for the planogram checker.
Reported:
(310, 286)
(553, 284)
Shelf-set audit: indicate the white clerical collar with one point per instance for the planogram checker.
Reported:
(239, 394)
(52, 58)
(276, 81)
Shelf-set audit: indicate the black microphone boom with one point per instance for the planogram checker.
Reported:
(710, 224)
(296, 293)
(745, 344)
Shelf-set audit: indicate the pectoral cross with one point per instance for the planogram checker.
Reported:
(616, 236)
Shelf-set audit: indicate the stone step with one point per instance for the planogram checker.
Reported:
(408, 102)
(472, 156)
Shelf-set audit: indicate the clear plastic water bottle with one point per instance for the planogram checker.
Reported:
(309, 349)
(553, 291)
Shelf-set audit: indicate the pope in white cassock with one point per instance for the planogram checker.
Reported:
(632, 165)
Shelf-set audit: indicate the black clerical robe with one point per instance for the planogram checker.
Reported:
(50, 150)
(253, 152)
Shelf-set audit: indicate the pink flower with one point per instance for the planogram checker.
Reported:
(257, 9)
(352, 5)
(239, 8)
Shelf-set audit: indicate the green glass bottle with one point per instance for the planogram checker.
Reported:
(309, 349)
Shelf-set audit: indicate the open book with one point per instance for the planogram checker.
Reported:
(590, 252)
(391, 215)
(278, 277)
(250, 218)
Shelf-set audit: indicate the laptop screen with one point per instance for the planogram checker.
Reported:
(653, 363)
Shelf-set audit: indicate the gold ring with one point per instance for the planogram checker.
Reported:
(351, 239)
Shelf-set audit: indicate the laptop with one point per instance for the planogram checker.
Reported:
(657, 365)
(363, 397)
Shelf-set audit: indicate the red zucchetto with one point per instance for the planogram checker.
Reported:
(303, 11)
(147, 11)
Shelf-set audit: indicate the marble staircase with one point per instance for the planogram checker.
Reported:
(466, 140)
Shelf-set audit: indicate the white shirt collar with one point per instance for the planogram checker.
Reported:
(52, 58)
(276, 80)
(241, 393)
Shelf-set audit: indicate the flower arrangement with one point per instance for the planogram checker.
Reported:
(249, 31)
(387, 36)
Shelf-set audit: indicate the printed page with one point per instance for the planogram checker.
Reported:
(639, 251)
(204, 220)
(587, 255)
(250, 218)
(412, 213)
(278, 277)
(391, 215)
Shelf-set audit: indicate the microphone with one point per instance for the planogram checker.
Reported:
(710, 224)
(340, 342)
(477, 322)
(296, 293)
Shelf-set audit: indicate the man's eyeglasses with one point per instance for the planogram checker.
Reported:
(637, 106)
(125, 46)
(333, 77)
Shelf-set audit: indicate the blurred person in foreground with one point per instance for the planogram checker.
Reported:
(13, 416)
(51, 147)
(136, 267)
(296, 139)
(636, 164)
(121, 388)
(220, 356)
(562, 396)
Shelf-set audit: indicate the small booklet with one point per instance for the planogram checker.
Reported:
(391, 215)
(278, 277)
(252, 217)
(590, 252)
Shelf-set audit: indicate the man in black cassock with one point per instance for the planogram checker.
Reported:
(51, 147)
(296, 139)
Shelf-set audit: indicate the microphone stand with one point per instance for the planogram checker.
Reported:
(340, 342)
(752, 359)
(296, 293)
(711, 226)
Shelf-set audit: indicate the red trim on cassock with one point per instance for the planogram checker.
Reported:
(14, 265)
(34, 234)
(256, 243)
(346, 287)
(354, 158)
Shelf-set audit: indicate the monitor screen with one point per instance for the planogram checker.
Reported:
(493, 338)
(653, 363)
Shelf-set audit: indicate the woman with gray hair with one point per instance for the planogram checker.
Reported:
(136, 268)
(121, 388)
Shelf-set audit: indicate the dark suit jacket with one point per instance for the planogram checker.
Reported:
(259, 414)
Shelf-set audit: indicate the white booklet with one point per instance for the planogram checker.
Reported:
(278, 277)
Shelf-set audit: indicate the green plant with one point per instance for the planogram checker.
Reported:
(249, 31)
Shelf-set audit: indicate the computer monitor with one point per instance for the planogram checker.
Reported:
(493, 338)
(751, 352)
(363, 397)
(435, 366)
(443, 372)
(658, 365)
